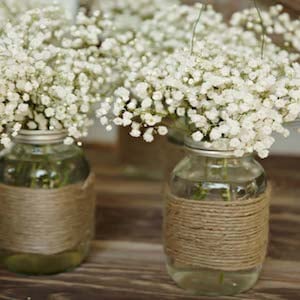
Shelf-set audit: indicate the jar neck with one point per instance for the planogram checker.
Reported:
(40, 137)
(199, 149)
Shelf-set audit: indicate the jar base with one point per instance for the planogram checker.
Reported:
(35, 264)
(208, 282)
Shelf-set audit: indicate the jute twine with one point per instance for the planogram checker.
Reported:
(221, 235)
(47, 222)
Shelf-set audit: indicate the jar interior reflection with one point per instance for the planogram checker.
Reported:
(43, 166)
(206, 178)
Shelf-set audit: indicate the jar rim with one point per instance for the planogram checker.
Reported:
(202, 149)
(41, 137)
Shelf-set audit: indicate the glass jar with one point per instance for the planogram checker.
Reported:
(43, 168)
(212, 175)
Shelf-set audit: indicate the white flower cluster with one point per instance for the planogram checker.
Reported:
(229, 96)
(276, 23)
(51, 72)
(10, 10)
(156, 34)
(170, 29)
(129, 14)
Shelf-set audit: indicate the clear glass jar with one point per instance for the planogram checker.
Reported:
(40, 160)
(211, 175)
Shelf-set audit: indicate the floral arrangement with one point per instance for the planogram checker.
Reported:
(170, 28)
(129, 14)
(133, 23)
(276, 23)
(9, 9)
(229, 94)
(149, 43)
(53, 71)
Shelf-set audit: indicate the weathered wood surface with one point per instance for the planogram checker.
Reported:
(127, 261)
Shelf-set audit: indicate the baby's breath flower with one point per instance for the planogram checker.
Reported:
(129, 14)
(51, 71)
(276, 23)
(162, 130)
(230, 97)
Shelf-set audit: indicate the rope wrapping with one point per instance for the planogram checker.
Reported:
(46, 222)
(220, 235)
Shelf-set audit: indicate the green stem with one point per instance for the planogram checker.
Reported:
(201, 192)
(263, 29)
(227, 197)
(33, 177)
(18, 172)
(222, 277)
(66, 175)
(195, 27)
(227, 194)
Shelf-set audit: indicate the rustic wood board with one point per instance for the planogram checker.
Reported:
(127, 261)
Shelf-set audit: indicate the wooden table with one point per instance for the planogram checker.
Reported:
(127, 261)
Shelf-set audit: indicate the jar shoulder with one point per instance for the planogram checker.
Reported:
(240, 171)
(209, 179)
(47, 166)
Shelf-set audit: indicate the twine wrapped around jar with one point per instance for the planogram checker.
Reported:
(46, 221)
(220, 235)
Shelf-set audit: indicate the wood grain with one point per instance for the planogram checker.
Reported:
(127, 261)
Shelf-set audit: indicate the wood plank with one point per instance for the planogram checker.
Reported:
(119, 270)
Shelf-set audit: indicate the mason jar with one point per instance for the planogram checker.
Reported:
(216, 221)
(46, 204)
